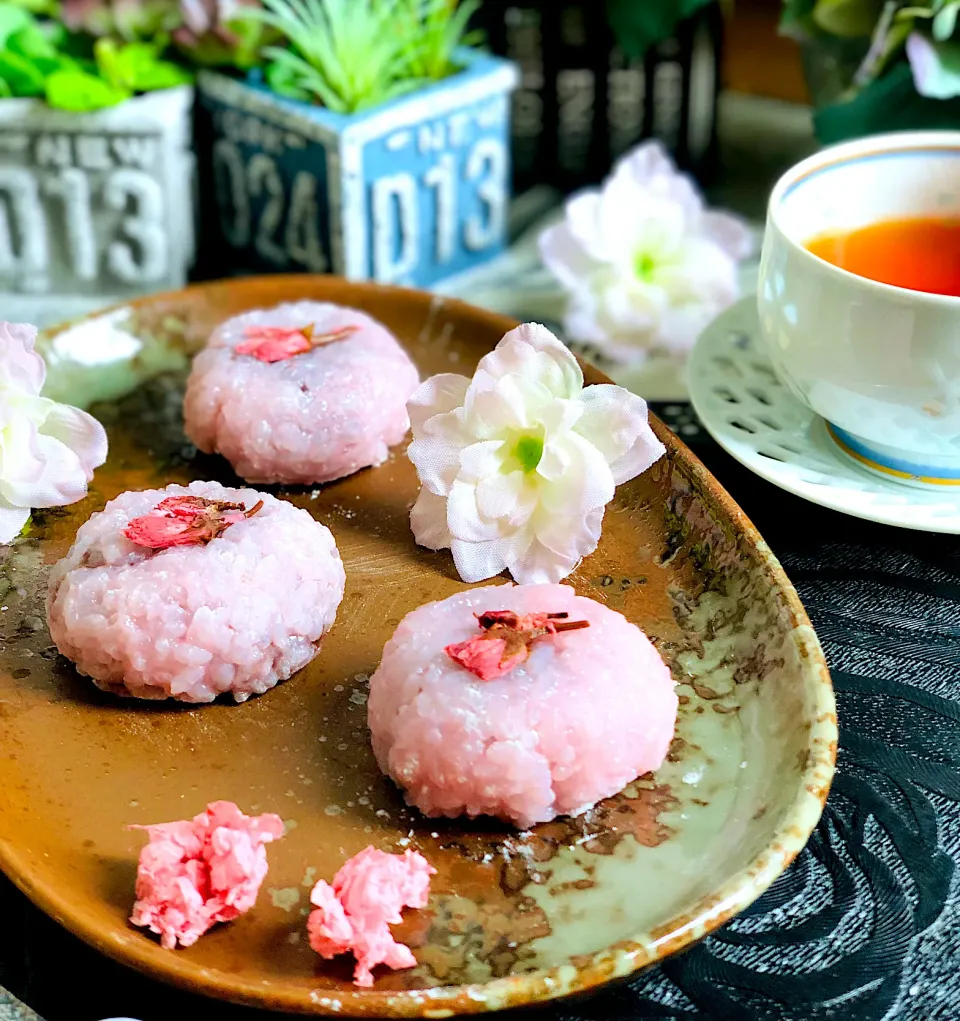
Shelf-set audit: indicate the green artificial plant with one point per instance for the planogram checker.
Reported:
(41, 58)
(904, 70)
(351, 55)
(208, 33)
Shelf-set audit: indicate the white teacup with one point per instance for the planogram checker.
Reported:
(880, 363)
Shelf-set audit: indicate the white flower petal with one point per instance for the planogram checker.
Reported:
(650, 168)
(634, 307)
(464, 518)
(48, 451)
(51, 476)
(512, 496)
(582, 319)
(564, 256)
(20, 452)
(537, 565)
(640, 224)
(683, 325)
(434, 396)
(532, 351)
(572, 539)
(436, 452)
(729, 232)
(615, 421)
(81, 432)
(12, 520)
(578, 475)
(480, 460)
(477, 561)
(645, 163)
(511, 403)
(582, 212)
(702, 273)
(559, 415)
(20, 366)
(428, 519)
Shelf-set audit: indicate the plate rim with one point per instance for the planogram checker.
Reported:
(619, 960)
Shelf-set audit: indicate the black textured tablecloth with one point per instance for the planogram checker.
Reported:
(866, 923)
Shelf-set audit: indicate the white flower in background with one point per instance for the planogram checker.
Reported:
(517, 464)
(645, 264)
(48, 451)
(934, 65)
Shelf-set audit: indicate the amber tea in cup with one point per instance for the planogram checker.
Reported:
(919, 253)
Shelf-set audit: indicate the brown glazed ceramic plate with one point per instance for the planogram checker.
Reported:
(513, 917)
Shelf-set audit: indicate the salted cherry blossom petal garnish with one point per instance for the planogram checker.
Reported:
(48, 451)
(505, 640)
(517, 464)
(186, 521)
(646, 266)
(195, 873)
(278, 343)
(367, 896)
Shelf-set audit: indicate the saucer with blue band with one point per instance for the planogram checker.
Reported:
(759, 422)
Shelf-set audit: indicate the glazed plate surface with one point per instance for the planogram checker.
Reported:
(513, 917)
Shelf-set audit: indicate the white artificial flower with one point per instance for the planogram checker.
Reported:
(517, 464)
(48, 451)
(645, 265)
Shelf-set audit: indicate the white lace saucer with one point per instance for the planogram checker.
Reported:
(759, 422)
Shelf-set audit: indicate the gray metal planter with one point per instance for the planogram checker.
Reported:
(412, 192)
(94, 207)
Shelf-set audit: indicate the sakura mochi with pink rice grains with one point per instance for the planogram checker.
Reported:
(302, 393)
(522, 702)
(191, 592)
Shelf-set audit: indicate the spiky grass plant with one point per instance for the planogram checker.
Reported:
(433, 30)
(352, 55)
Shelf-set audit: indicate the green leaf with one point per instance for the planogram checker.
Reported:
(5, 91)
(283, 80)
(916, 12)
(891, 103)
(639, 24)
(136, 67)
(13, 19)
(81, 92)
(162, 74)
(850, 19)
(945, 21)
(796, 19)
(23, 78)
(45, 8)
(107, 52)
(32, 42)
(250, 37)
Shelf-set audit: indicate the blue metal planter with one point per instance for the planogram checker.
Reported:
(412, 192)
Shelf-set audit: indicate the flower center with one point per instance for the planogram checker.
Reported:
(644, 265)
(528, 450)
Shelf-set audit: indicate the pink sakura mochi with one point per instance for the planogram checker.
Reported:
(367, 896)
(236, 614)
(583, 713)
(195, 873)
(298, 418)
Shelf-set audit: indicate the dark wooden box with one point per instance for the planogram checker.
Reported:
(582, 103)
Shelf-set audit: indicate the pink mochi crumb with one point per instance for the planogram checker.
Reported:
(367, 896)
(197, 872)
